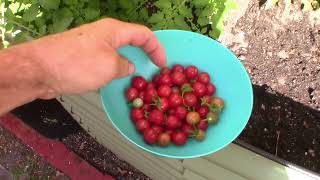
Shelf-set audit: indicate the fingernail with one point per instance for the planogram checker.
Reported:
(131, 68)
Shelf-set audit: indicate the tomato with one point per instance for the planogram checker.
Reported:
(175, 100)
(193, 118)
(179, 138)
(175, 89)
(165, 70)
(203, 78)
(203, 125)
(164, 91)
(199, 89)
(150, 136)
(164, 104)
(203, 111)
(212, 117)
(150, 95)
(158, 129)
(137, 103)
(171, 111)
(142, 125)
(181, 112)
(190, 99)
(136, 114)
(211, 89)
(187, 129)
(164, 139)
(173, 122)
(165, 79)
(200, 135)
(147, 107)
(156, 117)
(156, 79)
(139, 83)
(205, 100)
(178, 68)
(142, 95)
(178, 78)
(170, 132)
(150, 85)
(217, 101)
(191, 71)
(132, 93)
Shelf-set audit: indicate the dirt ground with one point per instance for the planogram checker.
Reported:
(22, 162)
(281, 51)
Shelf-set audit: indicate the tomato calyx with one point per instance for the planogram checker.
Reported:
(186, 88)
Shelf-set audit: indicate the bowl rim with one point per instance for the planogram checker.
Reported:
(200, 154)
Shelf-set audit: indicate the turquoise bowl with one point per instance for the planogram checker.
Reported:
(186, 48)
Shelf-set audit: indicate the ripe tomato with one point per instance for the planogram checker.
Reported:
(203, 111)
(164, 91)
(175, 100)
(179, 138)
(164, 139)
(187, 129)
(132, 93)
(190, 99)
(156, 117)
(177, 68)
(164, 104)
(165, 79)
(193, 118)
(165, 70)
(150, 85)
(211, 89)
(171, 111)
(150, 136)
(156, 79)
(178, 78)
(200, 135)
(173, 122)
(158, 129)
(142, 125)
(136, 114)
(181, 112)
(142, 95)
(139, 83)
(191, 72)
(150, 95)
(199, 89)
(203, 125)
(204, 78)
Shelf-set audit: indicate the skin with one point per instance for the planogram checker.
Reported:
(76, 61)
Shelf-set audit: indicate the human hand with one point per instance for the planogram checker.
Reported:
(85, 58)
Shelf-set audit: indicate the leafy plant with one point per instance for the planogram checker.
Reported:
(28, 19)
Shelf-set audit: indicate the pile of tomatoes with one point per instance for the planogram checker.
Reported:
(178, 104)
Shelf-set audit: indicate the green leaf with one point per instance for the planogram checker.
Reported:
(31, 13)
(184, 11)
(157, 17)
(49, 4)
(94, 4)
(200, 3)
(126, 4)
(9, 27)
(143, 13)
(61, 20)
(202, 21)
(40, 22)
(163, 4)
(91, 14)
(43, 30)
(21, 37)
(208, 11)
(70, 2)
(180, 23)
(204, 30)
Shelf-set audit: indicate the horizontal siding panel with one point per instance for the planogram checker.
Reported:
(125, 150)
(210, 170)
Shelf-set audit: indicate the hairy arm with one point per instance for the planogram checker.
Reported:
(76, 61)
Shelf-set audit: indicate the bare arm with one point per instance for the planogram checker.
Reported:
(75, 61)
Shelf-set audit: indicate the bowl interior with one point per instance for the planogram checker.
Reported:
(186, 48)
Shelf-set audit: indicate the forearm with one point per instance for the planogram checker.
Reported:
(20, 77)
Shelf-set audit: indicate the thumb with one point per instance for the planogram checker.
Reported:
(124, 67)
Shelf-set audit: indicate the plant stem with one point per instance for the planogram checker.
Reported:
(28, 29)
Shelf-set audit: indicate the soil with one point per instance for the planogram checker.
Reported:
(280, 49)
(51, 120)
(22, 162)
